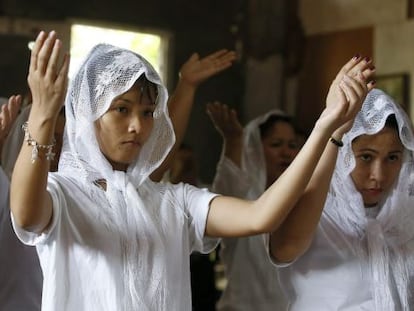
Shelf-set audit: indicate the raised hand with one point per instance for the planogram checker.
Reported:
(192, 73)
(225, 120)
(196, 70)
(347, 93)
(8, 115)
(47, 77)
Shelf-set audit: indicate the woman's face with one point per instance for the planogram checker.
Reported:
(126, 126)
(280, 148)
(378, 162)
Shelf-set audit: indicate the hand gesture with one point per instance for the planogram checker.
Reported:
(225, 120)
(8, 115)
(196, 70)
(347, 93)
(47, 78)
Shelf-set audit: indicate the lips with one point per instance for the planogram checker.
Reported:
(131, 142)
(373, 192)
(131, 145)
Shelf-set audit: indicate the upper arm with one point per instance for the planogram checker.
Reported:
(230, 217)
(30, 217)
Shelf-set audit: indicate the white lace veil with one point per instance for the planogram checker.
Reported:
(386, 235)
(107, 72)
(253, 159)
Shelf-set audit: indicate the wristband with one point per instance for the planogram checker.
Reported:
(336, 142)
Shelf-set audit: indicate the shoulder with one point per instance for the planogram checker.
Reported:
(180, 195)
(70, 189)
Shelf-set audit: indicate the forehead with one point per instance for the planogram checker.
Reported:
(141, 87)
(280, 128)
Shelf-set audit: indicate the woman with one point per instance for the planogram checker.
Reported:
(108, 237)
(252, 159)
(362, 254)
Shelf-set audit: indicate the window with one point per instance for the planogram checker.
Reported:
(150, 44)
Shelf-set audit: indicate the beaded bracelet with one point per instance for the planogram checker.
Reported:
(50, 155)
(336, 142)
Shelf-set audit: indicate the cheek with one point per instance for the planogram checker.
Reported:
(393, 175)
(359, 176)
(103, 134)
(270, 153)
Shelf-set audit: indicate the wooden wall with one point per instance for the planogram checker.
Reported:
(325, 55)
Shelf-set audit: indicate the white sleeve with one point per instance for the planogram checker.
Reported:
(276, 263)
(197, 206)
(230, 179)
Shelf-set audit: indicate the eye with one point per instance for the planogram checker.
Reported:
(394, 157)
(121, 109)
(276, 144)
(149, 113)
(365, 157)
(293, 145)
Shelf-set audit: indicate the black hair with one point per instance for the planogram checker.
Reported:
(273, 119)
(391, 122)
(147, 88)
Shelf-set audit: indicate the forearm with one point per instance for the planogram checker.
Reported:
(277, 202)
(228, 217)
(179, 108)
(30, 202)
(232, 149)
(296, 233)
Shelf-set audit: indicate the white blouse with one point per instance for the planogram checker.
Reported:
(81, 253)
(329, 276)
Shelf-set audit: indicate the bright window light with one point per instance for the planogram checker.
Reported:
(150, 45)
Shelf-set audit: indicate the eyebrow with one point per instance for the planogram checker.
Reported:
(131, 102)
(375, 151)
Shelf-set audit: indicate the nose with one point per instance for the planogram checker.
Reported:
(377, 172)
(135, 123)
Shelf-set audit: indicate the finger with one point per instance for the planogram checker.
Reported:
(350, 92)
(228, 57)
(53, 60)
(194, 57)
(220, 57)
(358, 85)
(371, 85)
(216, 54)
(5, 116)
(361, 66)
(14, 106)
(62, 77)
(348, 66)
(226, 114)
(45, 52)
(368, 73)
(41, 37)
(214, 111)
(233, 117)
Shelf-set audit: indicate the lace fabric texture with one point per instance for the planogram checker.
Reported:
(382, 240)
(107, 72)
(253, 161)
(246, 259)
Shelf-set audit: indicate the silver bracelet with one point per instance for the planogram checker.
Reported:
(50, 155)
